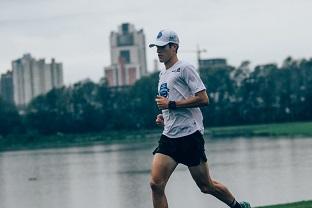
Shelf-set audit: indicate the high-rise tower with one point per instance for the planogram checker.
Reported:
(32, 78)
(6, 86)
(128, 56)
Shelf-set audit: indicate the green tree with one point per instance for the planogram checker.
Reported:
(221, 89)
(142, 105)
(51, 113)
(10, 120)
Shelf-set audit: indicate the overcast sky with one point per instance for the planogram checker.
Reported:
(76, 32)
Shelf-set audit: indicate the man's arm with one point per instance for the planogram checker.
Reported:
(200, 99)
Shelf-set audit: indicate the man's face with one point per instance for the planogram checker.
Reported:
(165, 53)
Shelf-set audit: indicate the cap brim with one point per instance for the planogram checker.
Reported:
(158, 43)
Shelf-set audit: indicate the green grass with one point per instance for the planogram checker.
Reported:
(34, 141)
(301, 204)
(281, 129)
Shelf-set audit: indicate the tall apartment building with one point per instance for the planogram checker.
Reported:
(33, 77)
(6, 87)
(128, 56)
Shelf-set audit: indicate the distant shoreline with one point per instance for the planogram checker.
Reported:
(293, 129)
(35, 141)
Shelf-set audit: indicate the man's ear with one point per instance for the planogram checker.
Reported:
(173, 45)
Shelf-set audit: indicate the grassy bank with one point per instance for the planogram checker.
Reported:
(32, 141)
(295, 129)
(35, 141)
(301, 204)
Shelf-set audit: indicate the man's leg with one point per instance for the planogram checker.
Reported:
(162, 168)
(203, 180)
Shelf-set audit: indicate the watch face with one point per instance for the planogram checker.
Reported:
(172, 105)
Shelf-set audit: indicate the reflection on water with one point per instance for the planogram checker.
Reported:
(261, 170)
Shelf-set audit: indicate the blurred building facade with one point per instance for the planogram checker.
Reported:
(33, 77)
(6, 87)
(216, 62)
(128, 56)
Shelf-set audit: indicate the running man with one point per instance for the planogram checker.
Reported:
(180, 94)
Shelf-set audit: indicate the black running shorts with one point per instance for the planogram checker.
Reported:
(188, 150)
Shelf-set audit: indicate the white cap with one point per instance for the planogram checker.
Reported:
(164, 37)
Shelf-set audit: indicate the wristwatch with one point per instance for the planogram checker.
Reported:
(172, 105)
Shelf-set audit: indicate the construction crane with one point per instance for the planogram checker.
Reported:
(198, 52)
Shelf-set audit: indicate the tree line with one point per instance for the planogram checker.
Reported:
(266, 94)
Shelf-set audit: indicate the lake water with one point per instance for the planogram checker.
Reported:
(260, 170)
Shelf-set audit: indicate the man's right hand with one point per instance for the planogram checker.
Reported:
(160, 120)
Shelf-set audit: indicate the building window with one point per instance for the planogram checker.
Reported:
(125, 40)
(125, 55)
(125, 28)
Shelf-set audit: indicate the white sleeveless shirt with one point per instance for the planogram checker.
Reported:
(177, 83)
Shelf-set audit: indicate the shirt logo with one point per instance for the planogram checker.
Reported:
(176, 70)
(163, 90)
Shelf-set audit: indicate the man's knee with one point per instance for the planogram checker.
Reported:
(157, 186)
(207, 189)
